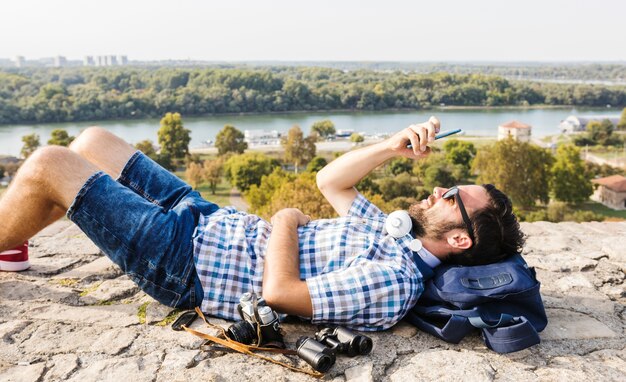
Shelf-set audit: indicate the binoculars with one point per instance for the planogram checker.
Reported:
(321, 352)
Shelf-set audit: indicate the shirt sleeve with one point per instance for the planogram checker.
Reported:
(363, 208)
(369, 296)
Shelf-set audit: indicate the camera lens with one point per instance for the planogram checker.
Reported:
(243, 332)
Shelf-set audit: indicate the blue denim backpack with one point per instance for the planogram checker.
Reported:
(500, 299)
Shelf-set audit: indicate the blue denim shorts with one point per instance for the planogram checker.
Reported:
(144, 222)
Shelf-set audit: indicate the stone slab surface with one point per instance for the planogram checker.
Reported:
(571, 325)
(74, 317)
(100, 268)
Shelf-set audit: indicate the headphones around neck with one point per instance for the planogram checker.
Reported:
(398, 224)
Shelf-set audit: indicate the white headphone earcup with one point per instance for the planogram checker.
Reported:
(415, 245)
(398, 224)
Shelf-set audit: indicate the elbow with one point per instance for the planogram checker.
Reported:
(272, 293)
(268, 295)
(322, 183)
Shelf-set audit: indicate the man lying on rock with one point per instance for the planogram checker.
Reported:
(185, 251)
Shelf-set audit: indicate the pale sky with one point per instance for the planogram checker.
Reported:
(317, 30)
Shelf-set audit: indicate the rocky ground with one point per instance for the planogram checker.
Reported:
(74, 316)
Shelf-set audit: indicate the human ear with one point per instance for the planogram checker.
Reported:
(459, 240)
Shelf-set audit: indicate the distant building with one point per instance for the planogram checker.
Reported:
(20, 61)
(611, 191)
(262, 137)
(122, 60)
(110, 60)
(60, 61)
(88, 61)
(515, 129)
(573, 124)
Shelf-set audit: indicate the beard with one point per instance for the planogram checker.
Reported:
(428, 222)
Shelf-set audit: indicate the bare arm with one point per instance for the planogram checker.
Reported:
(282, 288)
(336, 181)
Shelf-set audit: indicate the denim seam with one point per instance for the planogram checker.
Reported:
(190, 266)
(97, 222)
(145, 280)
(142, 192)
(130, 163)
(78, 199)
(123, 179)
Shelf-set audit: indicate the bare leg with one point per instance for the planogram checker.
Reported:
(104, 150)
(44, 186)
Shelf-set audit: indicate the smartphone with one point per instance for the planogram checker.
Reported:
(186, 319)
(441, 135)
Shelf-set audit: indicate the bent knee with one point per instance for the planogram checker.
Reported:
(41, 163)
(88, 138)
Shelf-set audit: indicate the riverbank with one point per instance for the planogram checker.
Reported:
(474, 121)
(95, 122)
(343, 145)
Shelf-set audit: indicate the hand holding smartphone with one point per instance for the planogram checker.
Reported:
(443, 134)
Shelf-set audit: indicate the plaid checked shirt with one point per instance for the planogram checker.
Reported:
(357, 275)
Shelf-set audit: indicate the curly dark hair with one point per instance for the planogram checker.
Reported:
(497, 232)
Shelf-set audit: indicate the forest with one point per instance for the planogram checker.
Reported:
(33, 95)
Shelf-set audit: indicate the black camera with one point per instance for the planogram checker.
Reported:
(321, 352)
(260, 325)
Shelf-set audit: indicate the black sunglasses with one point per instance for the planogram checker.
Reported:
(454, 193)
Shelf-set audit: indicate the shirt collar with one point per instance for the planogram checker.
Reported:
(430, 259)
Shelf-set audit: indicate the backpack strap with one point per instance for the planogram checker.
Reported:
(453, 330)
(507, 335)
(511, 338)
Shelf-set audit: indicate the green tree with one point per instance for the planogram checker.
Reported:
(369, 185)
(301, 193)
(60, 137)
(439, 174)
(569, 182)
(31, 143)
(621, 125)
(298, 150)
(323, 128)
(402, 185)
(399, 165)
(194, 174)
(213, 170)
(259, 197)
(147, 147)
(173, 137)
(230, 140)
(519, 169)
(460, 153)
(316, 164)
(356, 138)
(244, 170)
(600, 132)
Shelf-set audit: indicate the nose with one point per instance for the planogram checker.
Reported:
(438, 191)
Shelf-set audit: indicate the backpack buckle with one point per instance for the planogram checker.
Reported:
(488, 282)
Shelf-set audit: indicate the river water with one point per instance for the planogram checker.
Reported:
(480, 122)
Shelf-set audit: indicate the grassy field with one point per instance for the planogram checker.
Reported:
(603, 210)
(222, 192)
